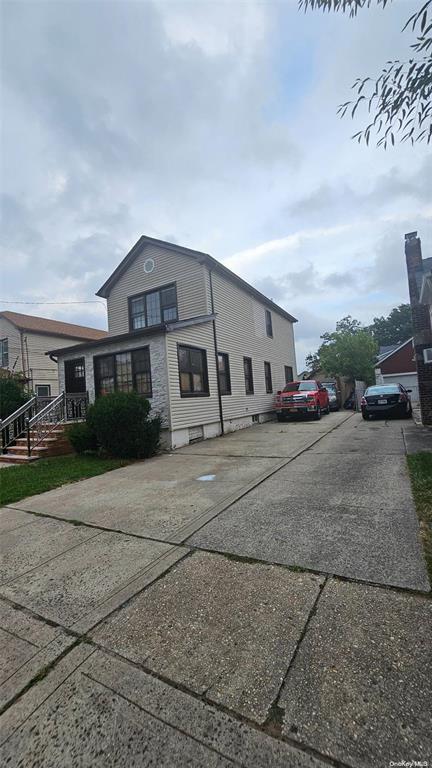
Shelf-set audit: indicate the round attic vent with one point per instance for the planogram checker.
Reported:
(149, 266)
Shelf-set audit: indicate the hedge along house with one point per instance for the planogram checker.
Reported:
(206, 348)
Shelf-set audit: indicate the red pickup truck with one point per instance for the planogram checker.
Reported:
(307, 398)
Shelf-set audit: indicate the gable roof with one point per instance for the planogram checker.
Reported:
(43, 325)
(393, 350)
(202, 258)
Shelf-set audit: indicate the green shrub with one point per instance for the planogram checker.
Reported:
(11, 396)
(82, 438)
(122, 425)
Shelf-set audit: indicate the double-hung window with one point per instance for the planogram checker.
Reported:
(4, 353)
(224, 374)
(193, 374)
(248, 374)
(268, 378)
(153, 308)
(288, 374)
(124, 372)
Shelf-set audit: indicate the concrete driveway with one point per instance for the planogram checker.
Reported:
(255, 600)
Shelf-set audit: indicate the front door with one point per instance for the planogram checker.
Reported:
(75, 380)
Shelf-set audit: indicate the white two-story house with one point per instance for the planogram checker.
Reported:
(205, 347)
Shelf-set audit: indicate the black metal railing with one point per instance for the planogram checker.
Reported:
(66, 407)
(14, 426)
(76, 406)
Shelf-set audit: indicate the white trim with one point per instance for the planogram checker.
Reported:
(393, 352)
(409, 373)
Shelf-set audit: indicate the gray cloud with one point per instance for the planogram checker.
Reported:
(340, 197)
(305, 282)
(178, 120)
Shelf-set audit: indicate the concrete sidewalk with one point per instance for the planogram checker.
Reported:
(254, 600)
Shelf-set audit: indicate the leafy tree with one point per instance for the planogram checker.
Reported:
(350, 354)
(400, 97)
(12, 396)
(349, 351)
(394, 329)
(313, 362)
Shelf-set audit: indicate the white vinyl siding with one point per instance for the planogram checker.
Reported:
(12, 334)
(241, 332)
(37, 366)
(192, 411)
(169, 267)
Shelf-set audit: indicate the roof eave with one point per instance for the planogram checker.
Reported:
(155, 329)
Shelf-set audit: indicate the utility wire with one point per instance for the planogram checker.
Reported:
(9, 301)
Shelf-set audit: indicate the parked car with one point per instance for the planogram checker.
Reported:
(302, 398)
(334, 394)
(386, 400)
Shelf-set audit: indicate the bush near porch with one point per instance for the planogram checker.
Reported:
(119, 424)
(12, 395)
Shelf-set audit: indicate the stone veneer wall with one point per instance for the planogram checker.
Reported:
(159, 401)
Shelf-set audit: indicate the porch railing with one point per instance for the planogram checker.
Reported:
(14, 426)
(66, 407)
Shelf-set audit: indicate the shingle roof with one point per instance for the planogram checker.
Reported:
(386, 349)
(52, 327)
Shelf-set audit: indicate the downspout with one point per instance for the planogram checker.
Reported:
(216, 355)
(22, 353)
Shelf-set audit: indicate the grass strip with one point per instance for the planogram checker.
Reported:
(420, 469)
(18, 482)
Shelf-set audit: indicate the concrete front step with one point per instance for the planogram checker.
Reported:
(41, 450)
(8, 458)
(46, 441)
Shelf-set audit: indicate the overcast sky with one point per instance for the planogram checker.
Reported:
(212, 125)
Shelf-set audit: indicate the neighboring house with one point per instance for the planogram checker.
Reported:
(396, 365)
(420, 290)
(25, 341)
(206, 348)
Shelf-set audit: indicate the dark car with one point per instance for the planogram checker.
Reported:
(333, 393)
(386, 400)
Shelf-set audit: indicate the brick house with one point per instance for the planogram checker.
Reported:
(420, 291)
(396, 365)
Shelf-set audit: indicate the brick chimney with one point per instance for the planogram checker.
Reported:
(413, 255)
(421, 324)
